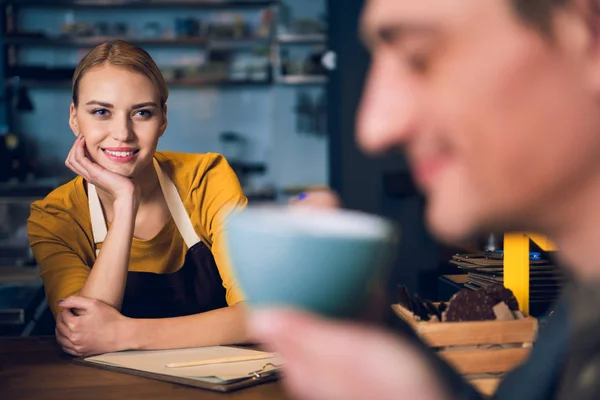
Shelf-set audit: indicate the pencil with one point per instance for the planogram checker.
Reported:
(221, 360)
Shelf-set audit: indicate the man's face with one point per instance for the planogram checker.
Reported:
(499, 123)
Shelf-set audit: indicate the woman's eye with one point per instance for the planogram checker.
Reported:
(144, 113)
(101, 112)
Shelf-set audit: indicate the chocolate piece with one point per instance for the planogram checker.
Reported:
(404, 298)
(469, 305)
(500, 293)
(416, 309)
(422, 310)
(433, 310)
(443, 307)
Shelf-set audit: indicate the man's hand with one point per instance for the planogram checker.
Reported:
(326, 360)
(96, 329)
(318, 197)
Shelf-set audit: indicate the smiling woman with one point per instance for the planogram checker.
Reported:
(131, 251)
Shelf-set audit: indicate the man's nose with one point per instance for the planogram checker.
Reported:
(388, 111)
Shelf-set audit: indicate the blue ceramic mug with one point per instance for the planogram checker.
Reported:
(323, 261)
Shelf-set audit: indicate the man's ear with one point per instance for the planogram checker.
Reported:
(73, 120)
(163, 126)
(577, 29)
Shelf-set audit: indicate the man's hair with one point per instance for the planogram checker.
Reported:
(538, 12)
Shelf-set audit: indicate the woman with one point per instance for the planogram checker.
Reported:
(112, 245)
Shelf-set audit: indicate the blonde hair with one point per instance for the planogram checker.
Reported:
(126, 55)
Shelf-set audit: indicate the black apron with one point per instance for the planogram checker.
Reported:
(195, 288)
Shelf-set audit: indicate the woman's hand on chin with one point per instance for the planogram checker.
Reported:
(116, 185)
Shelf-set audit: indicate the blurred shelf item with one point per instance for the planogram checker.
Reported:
(140, 3)
(245, 170)
(19, 275)
(227, 44)
(248, 168)
(301, 39)
(302, 80)
(213, 43)
(296, 190)
(28, 191)
(215, 82)
(19, 302)
(264, 195)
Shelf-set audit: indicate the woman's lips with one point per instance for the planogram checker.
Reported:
(120, 154)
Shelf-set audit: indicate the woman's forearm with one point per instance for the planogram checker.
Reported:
(219, 327)
(108, 277)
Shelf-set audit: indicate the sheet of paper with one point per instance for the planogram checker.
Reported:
(156, 361)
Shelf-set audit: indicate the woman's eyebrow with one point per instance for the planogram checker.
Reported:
(100, 103)
(134, 107)
(142, 105)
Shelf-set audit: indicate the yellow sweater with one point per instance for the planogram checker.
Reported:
(60, 229)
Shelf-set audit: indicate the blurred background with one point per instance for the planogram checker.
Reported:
(272, 85)
(246, 80)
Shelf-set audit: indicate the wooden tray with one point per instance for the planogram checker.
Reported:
(482, 351)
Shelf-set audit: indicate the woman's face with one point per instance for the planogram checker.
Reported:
(120, 117)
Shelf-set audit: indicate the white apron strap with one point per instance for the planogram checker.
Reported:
(174, 203)
(176, 207)
(99, 230)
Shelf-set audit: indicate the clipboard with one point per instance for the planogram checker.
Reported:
(268, 373)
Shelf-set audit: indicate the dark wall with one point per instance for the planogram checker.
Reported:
(381, 185)
(351, 173)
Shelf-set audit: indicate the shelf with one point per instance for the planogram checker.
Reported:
(180, 83)
(215, 82)
(302, 39)
(94, 41)
(302, 80)
(140, 3)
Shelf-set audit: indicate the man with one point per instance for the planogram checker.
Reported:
(496, 104)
